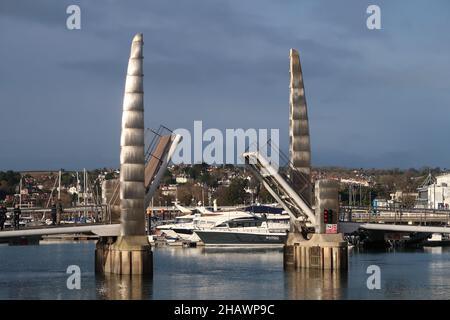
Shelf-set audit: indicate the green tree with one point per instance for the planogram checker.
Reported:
(167, 178)
(8, 182)
(235, 193)
(67, 178)
(110, 176)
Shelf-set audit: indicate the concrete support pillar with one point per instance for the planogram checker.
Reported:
(131, 253)
(289, 253)
(324, 251)
(124, 255)
(326, 198)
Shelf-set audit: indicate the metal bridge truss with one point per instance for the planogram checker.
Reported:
(158, 154)
(300, 212)
(160, 150)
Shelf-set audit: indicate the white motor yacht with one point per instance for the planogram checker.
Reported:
(238, 228)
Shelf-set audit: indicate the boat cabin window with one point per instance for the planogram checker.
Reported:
(243, 223)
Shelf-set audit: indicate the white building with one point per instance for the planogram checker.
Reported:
(181, 179)
(72, 190)
(380, 203)
(436, 195)
(363, 183)
(169, 190)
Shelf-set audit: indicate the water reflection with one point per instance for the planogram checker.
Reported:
(258, 253)
(433, 250)
(39, 272)
(218, 273)
(312, 284)
(123, 287)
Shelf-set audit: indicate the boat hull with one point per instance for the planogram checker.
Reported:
(217, 237)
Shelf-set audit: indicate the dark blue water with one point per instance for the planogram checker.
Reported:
(39, 272)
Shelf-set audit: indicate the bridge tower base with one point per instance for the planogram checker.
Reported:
(127, 255)
(322, 251)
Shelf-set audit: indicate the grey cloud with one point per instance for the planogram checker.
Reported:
(226, 63)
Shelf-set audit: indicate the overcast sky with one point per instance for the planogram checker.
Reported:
(376, 98)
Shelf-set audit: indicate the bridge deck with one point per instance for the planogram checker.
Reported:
(349, 227)
(98, 229)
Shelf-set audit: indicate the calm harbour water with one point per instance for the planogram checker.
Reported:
(39, 272)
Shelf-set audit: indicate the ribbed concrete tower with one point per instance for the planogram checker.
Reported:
(132, 160)
(323, 250)
(131, 252)
(299, 148)
(320, 250)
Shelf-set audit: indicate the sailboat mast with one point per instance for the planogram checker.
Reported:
(78, 189)
(20, 192)
(59, 186)
(84, 191)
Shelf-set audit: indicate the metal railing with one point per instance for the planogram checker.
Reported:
(394, 215)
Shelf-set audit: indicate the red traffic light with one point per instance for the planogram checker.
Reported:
(326, 216)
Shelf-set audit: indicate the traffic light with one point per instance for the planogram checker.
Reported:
(326, 216)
